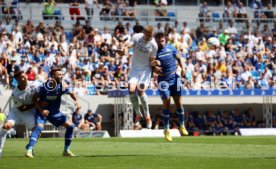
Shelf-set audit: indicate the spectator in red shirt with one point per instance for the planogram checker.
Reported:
(31, 76)
(74, 9)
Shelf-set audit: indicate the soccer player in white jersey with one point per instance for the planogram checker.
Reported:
(23, 109)
(144, 49)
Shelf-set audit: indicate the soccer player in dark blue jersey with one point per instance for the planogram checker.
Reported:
(169, 82)
(47, 102)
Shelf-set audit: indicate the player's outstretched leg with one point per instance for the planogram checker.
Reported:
(3, 135)
(166, 118)
(68, 140)
(135, 104)
(33, 140)
(180, 113)
(144, 101)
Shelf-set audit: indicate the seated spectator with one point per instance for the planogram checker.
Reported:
(78, 121)
(228, 11)
(137, 28)
(211, 124)
(268, 13)
(93, 120)
(226, 123)
(158, 121)
(31, 75)
(118, 10)
(161, 13)
(204, 12)
(240, 12)
(232, 30)
(128, 12)
(239, 119)
(199, 121)
(107, 6)
(250, 119)
(49, 9)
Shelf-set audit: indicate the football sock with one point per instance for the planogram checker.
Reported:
(166, 118)
(3, 135)
(135, 103)
(34, 137)
(68, 137)
(180, 113)
(144, 101)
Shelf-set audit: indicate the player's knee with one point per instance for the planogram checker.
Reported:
(131, 91)
(166, 113)
(180, 110)
(70, 127)
(140, 92)
(38, 129)
(8, 125)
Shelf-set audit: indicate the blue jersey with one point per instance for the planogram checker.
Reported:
(50, 99)
(166, 56)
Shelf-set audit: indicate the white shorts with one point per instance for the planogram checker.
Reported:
(140, 76)
(27, 118)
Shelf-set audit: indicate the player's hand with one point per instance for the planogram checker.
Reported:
(77, 105)
(183, 73)
(157, 69)
(155, 63)
(121, 52)
(45, 113)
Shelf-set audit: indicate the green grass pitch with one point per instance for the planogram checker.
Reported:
(146, 153)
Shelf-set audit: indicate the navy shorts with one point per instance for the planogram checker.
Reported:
(169, 86)
(57, 119)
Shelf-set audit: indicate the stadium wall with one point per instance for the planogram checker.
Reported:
(105, 105)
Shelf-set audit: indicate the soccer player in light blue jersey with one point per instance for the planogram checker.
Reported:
(169, 82)
(47, 102)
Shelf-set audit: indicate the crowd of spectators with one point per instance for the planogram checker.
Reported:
(244, 60)
(213, 123)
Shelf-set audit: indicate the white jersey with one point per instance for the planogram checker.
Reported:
(24, 97)
(142, 52)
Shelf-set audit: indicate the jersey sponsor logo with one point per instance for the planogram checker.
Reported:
(167, 53)
(51, 97)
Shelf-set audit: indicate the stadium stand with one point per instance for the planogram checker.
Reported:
(245, 61)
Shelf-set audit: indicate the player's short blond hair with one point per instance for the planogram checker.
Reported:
(149, 29)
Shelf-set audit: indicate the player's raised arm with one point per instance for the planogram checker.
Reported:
(74, 97)
(181, 64)
(129, 45)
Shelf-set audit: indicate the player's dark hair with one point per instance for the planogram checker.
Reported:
(18, 74)
(159, 35)
(54, 70)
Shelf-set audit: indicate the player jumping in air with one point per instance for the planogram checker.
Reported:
(47, 102)
(144, 48)
(169, 82)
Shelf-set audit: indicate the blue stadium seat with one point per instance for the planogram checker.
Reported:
(171, 16)
(215, 17)
(69, 36)
(91, 90)
(255, 74)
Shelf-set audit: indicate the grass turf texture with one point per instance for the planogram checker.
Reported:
(139, 153)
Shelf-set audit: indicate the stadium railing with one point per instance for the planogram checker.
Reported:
(145, 14)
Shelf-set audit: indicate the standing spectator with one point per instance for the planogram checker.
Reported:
(90, 119)
(74, 9)
(89, 5)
